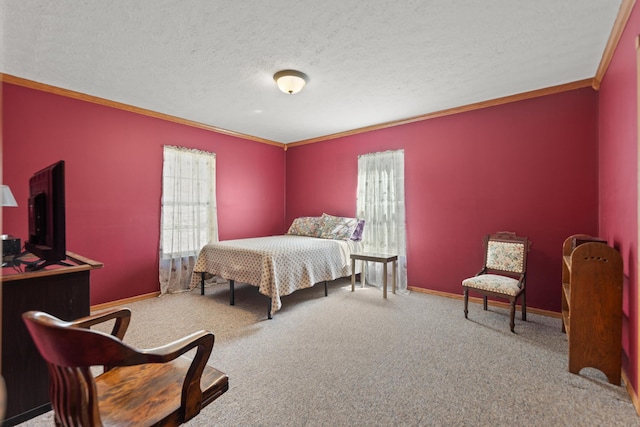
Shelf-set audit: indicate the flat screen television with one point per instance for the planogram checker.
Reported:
(47, 232)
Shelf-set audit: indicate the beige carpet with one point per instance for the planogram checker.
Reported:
(355, 359)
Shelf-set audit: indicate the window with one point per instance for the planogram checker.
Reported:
(188, 214)
(380, 202)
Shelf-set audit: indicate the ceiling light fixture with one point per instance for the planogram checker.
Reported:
(290, 81)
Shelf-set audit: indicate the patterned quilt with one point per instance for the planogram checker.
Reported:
(278, 265)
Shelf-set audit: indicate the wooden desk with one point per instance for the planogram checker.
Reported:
(385, 259)
(60, 291)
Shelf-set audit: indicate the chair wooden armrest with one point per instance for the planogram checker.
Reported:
(122, 316)
(191, 399)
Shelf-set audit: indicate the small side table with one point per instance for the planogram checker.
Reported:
(385, 259)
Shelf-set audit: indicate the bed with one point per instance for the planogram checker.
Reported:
(280, 265)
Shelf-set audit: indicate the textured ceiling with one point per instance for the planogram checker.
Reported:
(369, 62)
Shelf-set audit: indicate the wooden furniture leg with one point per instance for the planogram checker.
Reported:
(353, 274)
(384, 280)
(395, 274)
(363, 273)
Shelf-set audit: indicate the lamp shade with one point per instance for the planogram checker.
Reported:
(290, 81)
(7, 197)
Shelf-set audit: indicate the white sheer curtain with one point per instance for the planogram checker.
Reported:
(189, 218)
(380, 202)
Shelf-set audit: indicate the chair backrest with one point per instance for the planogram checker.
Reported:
(70, 352)
(506, 253)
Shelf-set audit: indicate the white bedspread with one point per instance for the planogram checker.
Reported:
(278, 265)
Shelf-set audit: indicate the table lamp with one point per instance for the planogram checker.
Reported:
(10, 244)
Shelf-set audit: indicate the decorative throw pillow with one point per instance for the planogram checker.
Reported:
(338, 228)
(306, 226)
(357, 233)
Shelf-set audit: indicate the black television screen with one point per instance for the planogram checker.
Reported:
(47, 233)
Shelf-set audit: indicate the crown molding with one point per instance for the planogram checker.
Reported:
(19, 81)
(614, 38)
(456, 110)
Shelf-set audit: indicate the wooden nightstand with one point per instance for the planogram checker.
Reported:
(385, 259)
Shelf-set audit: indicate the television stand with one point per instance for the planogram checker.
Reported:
(42, 263)
(61, 291)
(31, 262)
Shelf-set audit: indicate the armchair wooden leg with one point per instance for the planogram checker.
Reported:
(512, 315)
(466, 303)
(524, 305)
(484, 302)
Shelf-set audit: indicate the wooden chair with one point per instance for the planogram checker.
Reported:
(157, 386)
(503, 274)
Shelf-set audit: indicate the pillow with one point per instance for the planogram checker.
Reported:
(337, 227)
(357, 233)
(306, 226)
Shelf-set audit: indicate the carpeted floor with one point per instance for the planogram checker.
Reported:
(355, 359)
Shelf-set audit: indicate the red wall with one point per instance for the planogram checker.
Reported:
(619, 178)
(113, 182)
(529, 167)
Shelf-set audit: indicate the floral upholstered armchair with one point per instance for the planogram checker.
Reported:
(503, 274)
